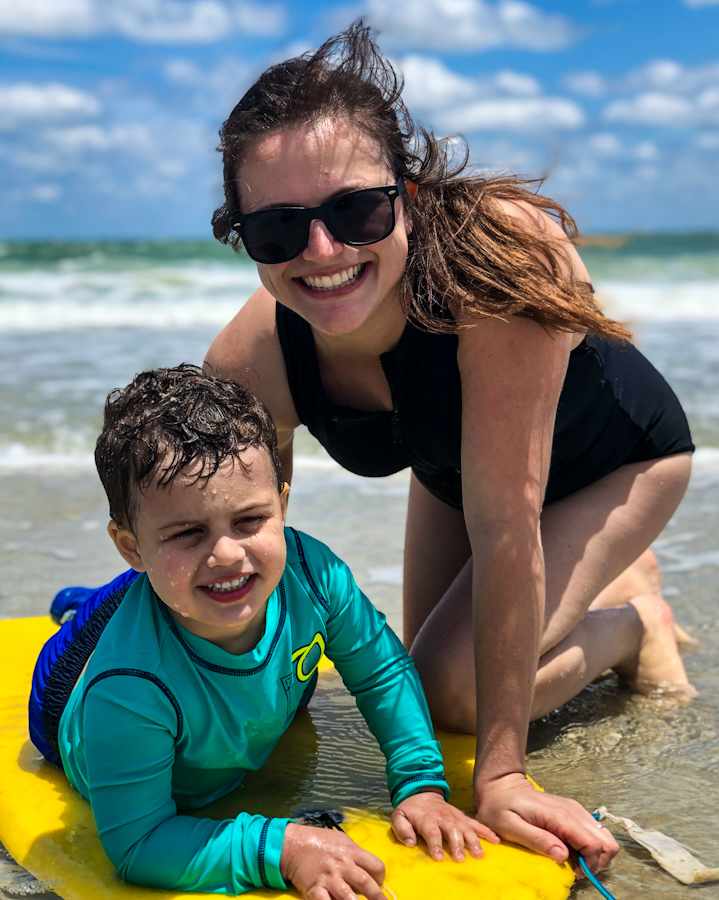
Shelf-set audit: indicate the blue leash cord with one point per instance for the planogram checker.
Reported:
(594, 880)
(592, 877)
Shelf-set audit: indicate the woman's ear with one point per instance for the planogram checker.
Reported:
(126, 544)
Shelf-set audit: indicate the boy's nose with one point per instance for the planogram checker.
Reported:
(225, 552)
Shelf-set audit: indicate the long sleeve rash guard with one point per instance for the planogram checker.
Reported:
(162, 720)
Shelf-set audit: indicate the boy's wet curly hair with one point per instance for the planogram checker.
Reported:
(168, 418)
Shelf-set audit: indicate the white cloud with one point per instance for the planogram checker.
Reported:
(135, 137)
(211, 91)
(260, 18)
(48, 18)
(469, 25)
(507, 100)
(227, 75)
(698, 3)
(606, 145)
(516, 114)
(46, 193)
(168, 21)
(662, 75)
(586, 84)
(517, 83)
(26, 104)
(430, 85)
(665, 93)
(650, 109)
(670, 76)
(669, 110)
(148, 21)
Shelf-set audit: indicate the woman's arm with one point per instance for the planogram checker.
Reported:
(512, 374)
(248, 351)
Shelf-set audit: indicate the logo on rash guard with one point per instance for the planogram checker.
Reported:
(308, 658)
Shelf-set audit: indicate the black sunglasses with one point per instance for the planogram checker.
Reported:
(280, 234)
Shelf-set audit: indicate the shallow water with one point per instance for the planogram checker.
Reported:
(71, 334)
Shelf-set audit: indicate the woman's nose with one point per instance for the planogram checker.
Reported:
(226, 552)
(321, 244)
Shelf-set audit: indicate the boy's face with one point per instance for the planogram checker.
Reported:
(214, 549)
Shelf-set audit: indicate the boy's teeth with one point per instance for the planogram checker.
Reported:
(220, 586)
(328, 282)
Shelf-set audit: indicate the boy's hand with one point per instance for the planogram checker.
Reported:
(428, 815)
(328, 865)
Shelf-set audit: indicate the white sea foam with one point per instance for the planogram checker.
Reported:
(660, 300)
(386, 575)
(18, 457)
(209, 294)
(159, 297)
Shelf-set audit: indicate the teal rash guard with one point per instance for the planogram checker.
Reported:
(162, 720)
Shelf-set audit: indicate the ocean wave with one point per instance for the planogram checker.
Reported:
(210, 294)
(18, 457)
(659, 300)
(160, 297)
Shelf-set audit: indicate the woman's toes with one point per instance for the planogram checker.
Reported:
(685, 640)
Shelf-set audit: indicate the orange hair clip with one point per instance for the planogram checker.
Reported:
(411, 188)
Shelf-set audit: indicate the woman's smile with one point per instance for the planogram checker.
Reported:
(337, 284)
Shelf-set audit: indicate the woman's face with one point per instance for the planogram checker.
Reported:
(305, 167)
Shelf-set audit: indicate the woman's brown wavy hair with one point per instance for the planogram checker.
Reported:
(466, 255)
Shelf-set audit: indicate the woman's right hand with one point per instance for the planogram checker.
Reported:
(328, 865)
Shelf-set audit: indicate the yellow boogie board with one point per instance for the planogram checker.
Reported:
(48, 828)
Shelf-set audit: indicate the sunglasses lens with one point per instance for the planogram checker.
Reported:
(274, 235)
(362, 217)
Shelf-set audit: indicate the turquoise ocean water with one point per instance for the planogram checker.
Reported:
(78, 319)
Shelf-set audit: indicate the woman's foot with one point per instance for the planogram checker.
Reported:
(685, 641)
(657, 667)
(642, 577)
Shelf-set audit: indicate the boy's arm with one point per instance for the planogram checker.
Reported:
(381, 675)
(130, 727)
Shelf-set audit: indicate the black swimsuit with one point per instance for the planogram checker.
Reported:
(615, 408)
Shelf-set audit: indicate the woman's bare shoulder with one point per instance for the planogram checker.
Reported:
(535, 221)
(248, 351)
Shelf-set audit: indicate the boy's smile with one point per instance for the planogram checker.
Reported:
(231, 588)
(213, 548)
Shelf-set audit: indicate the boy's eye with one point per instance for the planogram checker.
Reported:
(250, 521)
(186, 533)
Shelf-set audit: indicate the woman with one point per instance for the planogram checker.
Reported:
(414, 315)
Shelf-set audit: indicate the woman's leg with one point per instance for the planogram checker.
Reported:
(589, 539)
(436, 547)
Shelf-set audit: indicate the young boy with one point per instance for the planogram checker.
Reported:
(169, 685)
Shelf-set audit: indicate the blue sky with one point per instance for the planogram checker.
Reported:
(109, 109)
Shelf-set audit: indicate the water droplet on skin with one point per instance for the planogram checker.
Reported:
(185, 615)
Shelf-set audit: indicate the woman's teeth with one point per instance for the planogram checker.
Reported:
(330, 282)
(220, 587)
